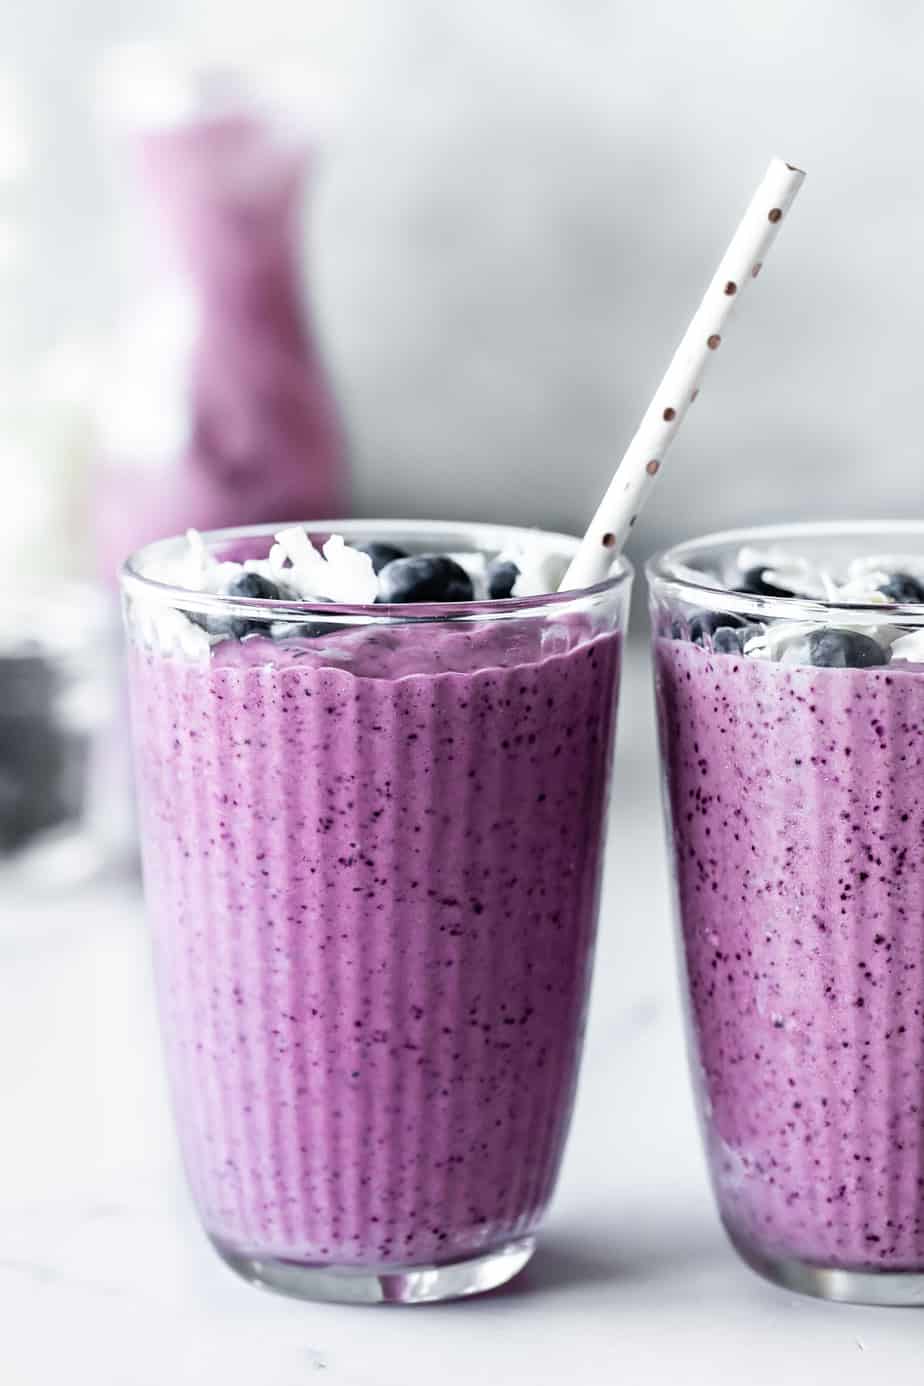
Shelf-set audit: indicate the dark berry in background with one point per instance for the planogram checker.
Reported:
(42, 765)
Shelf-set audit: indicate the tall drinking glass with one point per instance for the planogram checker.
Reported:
(372, 840)
(792, 738)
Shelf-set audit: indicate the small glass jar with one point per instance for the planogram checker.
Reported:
(55, 711)
(372, 840)
(792, 740)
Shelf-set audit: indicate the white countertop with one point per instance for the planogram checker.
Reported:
(105, 1278)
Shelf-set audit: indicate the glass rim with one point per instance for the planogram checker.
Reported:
(483, 536)
(667, 571)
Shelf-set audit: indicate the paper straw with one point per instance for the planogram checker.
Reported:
(635, 475)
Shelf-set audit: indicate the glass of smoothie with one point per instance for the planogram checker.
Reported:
(789, 671)
(372, 835)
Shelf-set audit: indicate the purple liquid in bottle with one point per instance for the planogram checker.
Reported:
(264, 441)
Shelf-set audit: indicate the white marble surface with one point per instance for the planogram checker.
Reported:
(106, 1280)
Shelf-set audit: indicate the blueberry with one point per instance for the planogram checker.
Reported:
(381, 554)
(753, 583)
(425, 578)
(251, 585)
(835, 649)
(728, 640)
(902, 587)
(254, 585)
(704, 623)
(501, 575)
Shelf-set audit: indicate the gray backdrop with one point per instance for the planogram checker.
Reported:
(524, 204)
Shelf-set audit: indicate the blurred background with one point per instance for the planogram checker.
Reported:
(515, 206)
(424, 258)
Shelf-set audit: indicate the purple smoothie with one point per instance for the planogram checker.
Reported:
(265, 441)
(372, 865)
(797, 803)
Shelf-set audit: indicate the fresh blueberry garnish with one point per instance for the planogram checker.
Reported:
(753, 583)
(425, 578)
(704, 623)
(728, 639)
(251, 585)
(502, 573)
(902, 587)
(836, 649)
(254, 585)
(381, 554)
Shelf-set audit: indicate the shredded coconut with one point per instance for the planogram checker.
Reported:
(540, 572)
(799, 575)
(909, 648)
(337, 574)
(784, 569)
(168, 631)
(773, 642)
(884, 564)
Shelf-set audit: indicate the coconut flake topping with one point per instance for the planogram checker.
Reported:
(337, 574)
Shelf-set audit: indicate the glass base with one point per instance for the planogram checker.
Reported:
(384, 1284)
(896, 1289)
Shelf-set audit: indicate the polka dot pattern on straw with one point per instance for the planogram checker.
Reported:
(644, 458)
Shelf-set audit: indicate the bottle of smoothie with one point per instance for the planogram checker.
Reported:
(790, 687)
(216, 408)
(373, 784)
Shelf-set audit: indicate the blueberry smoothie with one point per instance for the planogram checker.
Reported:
(257, 434)
(794, 769)
(372, 860)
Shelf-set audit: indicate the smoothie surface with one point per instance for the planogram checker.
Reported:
(372, 865)
(797, 801)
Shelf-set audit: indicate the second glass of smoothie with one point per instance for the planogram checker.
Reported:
(372, 841)
(792, 738)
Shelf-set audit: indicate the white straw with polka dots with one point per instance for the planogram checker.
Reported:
(641, 463)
